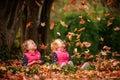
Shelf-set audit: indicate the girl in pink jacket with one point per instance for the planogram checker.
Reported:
(59, 53)
(30, 53)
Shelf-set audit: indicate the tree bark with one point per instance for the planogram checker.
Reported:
(44, 29)
(9, 20)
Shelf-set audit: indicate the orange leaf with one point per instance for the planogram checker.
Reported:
(52, 25)
(82, 21)
(28, 24)
(95, 0)
(38, 4)
(43, 46)
(109, 23)
(73, 2)
(107, 14)
(109, 2)
(53, 6)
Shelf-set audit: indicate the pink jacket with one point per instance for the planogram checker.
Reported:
(32, 57)
(62, 56)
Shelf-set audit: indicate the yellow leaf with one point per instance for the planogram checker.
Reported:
(63, 24)
(43, 24)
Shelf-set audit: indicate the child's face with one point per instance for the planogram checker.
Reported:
(31, 45)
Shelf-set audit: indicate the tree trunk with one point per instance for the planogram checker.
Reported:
(45, 21)
(9, 20)
(30, 17)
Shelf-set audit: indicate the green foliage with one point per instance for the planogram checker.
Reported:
(109, 33)
(68, 69)
(89, 31)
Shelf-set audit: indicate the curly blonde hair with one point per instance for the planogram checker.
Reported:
(57, 43)
(25, 45)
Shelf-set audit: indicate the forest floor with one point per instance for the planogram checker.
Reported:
(13, 70)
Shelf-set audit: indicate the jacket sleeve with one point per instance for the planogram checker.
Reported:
(24, 60)
(54, 58)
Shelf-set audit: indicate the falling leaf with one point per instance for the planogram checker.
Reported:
(109, 2)
(81, 45)
(73, 2)
(43, 46)
(80, 17)
(38, 4)
(81, 29)
(79, 9)
(43, 24)
(82, 21)
(78, 36)
(28, 24)
(107, 14)
(109, 23)
(63, 24)
(70, 35)
(53, 6)
(95, 0)
(52, 25)
(98, 18)
(83, 3)
(58, 33)
(77, 44)
(101, 39)
(75, 29)
(87, 44)
(116, 29)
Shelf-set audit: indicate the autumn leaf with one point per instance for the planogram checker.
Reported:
(63, 24)
(116, 29)
(83, 3)
(101, 39)
(98, 18)
(95, 0)
(38, 4)
(81, 29)
(28, 24)
(43, 46)
(109, 2)
(58, 33)
(82, 21)
(107, 14)
(73, 2)
(52, 25)
(80, 17)
(87, 44)
(109, 23)
(43, 24)
(53, 6)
